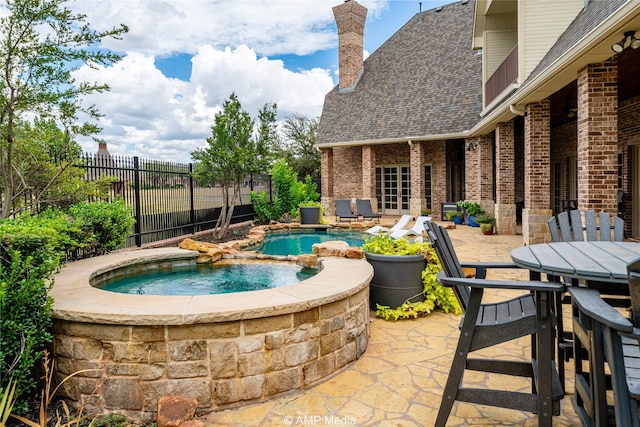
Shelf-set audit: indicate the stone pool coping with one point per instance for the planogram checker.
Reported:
(76, 300)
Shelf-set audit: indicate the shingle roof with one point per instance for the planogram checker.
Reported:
(586, 21)
(424, 80)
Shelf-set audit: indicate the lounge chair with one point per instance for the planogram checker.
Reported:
(343, 211)
(400, 225)
(364, 209)
(415, 231)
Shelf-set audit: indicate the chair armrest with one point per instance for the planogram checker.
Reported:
(481, 267)
(590, 303)
(500, 284)
(488, 265)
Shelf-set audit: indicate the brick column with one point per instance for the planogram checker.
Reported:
(417, 202)
(369, 174)
(439, 174)
(537, 173)
(326, 175)
(598, 137)
(505, 211)
(479, 172)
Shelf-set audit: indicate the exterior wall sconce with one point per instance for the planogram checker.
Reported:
(473, 145)
(633, 44)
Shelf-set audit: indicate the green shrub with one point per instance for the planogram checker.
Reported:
(289, 194)
(106, 225)
(25, 317)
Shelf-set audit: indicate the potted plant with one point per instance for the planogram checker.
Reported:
(487, 223)
(455, 216)
(474, 210)
(462, 207)
(310, 212)
(397, 270)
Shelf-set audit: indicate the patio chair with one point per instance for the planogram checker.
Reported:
(415, 231)
(607, 338)
(343, 211)
(400, 225)
(568, 227)
(486, 325)
(363, 207)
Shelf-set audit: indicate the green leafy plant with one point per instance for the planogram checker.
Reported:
(106, 224)
(485, 219)
(474, 209)
(453, 214)
(436, 296)
(290, 194)
(425, 212)
(384, 244)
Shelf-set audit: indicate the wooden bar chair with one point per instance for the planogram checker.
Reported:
(486, 325)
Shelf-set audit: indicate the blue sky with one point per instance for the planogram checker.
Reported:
(183, 58)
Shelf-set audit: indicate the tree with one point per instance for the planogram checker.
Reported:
(41, 44)
(234, 151)
(299, 146)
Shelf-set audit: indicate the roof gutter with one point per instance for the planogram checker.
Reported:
(405, 139)
(527, 92)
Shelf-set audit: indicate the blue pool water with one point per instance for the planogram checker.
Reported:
(301, 241)
(212, 279)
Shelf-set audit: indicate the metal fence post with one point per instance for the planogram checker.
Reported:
(192, 212)
(136, 181)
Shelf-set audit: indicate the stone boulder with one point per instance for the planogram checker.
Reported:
(173, 410)
(308, 261)
(336, 248)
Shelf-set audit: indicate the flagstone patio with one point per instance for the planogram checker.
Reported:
(400, 378)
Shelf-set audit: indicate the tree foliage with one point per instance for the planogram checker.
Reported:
(234, 151)
(298, 145)
(41, 44)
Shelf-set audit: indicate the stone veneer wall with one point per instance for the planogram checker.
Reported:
(222, 365)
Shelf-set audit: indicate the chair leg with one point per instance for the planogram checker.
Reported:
(545, 345)
(458, 365)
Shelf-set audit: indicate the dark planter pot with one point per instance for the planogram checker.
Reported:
(395, 279)
(310, 215)
(457, 220)
(472, 222)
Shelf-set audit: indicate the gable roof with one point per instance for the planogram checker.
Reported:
(425, 81)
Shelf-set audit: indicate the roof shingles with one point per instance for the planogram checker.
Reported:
(425, 80)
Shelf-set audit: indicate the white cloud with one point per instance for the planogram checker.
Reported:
(152, 116)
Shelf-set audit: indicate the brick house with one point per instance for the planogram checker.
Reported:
(508, 103)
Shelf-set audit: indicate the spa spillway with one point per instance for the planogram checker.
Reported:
(224, 350)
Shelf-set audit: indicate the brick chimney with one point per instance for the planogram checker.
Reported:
(350, 18)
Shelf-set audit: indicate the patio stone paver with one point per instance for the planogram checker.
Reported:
(400, 378)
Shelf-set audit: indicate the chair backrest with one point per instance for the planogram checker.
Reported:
(633, 270)
(441, 243)
(571, 229)
(343, 207)
(364, 207)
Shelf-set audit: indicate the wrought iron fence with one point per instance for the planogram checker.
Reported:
(165, 200)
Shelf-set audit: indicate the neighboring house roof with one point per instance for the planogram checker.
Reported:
(424, 81)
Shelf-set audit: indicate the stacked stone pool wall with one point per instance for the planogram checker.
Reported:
(224, 350)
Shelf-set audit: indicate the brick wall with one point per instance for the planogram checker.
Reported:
(598, 136)
(347, 171)
(628, 137)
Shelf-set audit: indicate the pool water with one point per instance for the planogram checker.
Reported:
(301, 242)
(212, 279)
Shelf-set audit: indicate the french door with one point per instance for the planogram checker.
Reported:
(393, 189)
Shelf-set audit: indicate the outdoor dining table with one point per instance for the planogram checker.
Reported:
(590, 261)
(604, 265)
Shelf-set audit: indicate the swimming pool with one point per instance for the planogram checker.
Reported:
(296, 242)
(211, 279)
